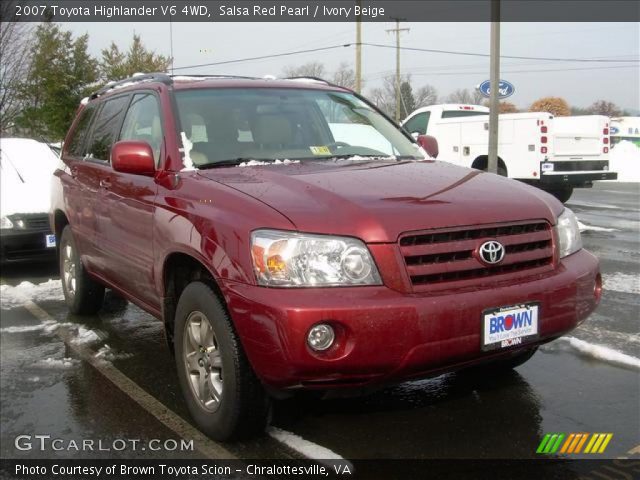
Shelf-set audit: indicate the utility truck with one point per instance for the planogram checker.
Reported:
(556, 154)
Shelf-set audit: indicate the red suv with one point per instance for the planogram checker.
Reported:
(291, 236)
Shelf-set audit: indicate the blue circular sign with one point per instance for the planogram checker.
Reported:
(505, 89)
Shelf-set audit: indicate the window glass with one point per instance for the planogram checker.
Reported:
(418, 123)
(105, 128)
(274, 123)
(143, 123)
(76, 142)
(462, 113)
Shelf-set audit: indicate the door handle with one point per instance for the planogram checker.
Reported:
(105, 183)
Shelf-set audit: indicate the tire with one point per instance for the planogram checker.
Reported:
(498, 367)
(222, 392)
(83, 295)
(562, 193)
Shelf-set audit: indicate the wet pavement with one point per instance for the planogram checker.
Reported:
(571, 385)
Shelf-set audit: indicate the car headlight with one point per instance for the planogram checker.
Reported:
(5, 223)
(289, 259)
(568, 231)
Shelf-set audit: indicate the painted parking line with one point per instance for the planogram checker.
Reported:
(166, 416)
(206, 446)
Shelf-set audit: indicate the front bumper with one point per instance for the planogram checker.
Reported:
(24, 245)
(570, 178)
(385, 336)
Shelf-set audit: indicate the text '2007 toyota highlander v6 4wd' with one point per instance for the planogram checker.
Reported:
(291, 237)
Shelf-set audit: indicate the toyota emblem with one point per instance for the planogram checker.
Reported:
(491, 252)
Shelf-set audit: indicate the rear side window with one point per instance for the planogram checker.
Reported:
(79, 134)
(418, 124)
(143, 123)
(106, 127)
(462, 113)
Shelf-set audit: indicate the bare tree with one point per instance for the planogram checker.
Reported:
(464, 95)
(604, 107)
(425, 96)
(345, 76)
(311, 69)
(15, 40)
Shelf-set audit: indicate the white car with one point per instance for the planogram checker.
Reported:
(26, 169)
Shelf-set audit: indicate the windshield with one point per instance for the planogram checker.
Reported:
(224, 126)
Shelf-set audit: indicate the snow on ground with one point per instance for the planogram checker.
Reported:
(621, 282)
(57, 363)
(13, 297)
(598, 352)
(593, 228)
(109, 354)
(625, 160)
(86, 335)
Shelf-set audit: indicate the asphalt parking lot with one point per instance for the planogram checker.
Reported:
(111, 377)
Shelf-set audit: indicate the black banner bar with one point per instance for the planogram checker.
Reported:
(318, 10)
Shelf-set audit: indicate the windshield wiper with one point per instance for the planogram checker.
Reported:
(233, 161)
(365, 157)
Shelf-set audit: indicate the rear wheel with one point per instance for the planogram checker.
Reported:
(222, 392)
(562, 193)
(83, 295)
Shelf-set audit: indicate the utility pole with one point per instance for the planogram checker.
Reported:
(397, 31)
(494, 79)
(359, 50)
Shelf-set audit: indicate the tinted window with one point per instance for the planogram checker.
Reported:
(462, 113)
(80, 132)
(418, 123)
(106, 127)
(143, 122)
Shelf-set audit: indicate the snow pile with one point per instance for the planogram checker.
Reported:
(13, 297)
(109, 354)
(253, 163)
(601, 352)
(305, 447)
(625, 160)
(622, 282)
(85, 335)
(58, 363)
(593, 228)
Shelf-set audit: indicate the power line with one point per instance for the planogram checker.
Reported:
(516, 57)
(427, 50)
(261, 57)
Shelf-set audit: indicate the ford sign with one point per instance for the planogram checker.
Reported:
(505, 89)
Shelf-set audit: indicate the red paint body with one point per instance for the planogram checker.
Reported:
(126, 227)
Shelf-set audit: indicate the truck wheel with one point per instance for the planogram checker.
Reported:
(501, 366)
(83, 295)
(562, 193)
(222, 392)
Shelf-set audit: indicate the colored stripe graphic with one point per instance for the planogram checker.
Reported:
(572, 443)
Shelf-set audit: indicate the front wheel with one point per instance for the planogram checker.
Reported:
(562, 193)
(222, 392)
(83, 295)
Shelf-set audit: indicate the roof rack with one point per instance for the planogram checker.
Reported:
(309, 77)
(204, 76)
(158, 77)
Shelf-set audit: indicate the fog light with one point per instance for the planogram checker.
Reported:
(321, 337)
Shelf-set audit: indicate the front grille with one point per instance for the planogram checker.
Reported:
(581, 166)
(31, 221)
(436, 259)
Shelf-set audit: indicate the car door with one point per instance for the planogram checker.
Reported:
(90, 172)
(128, 204)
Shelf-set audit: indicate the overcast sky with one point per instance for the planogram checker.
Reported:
(579, 82)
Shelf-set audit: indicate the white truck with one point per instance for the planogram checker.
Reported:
(556, 154)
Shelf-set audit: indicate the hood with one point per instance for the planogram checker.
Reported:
(377, 200)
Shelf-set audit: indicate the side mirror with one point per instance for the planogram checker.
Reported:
(430, 145)
(133, 156)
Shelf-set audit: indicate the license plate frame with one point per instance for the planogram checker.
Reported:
(504, 338)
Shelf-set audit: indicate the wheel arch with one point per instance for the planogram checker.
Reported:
(482, 162)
